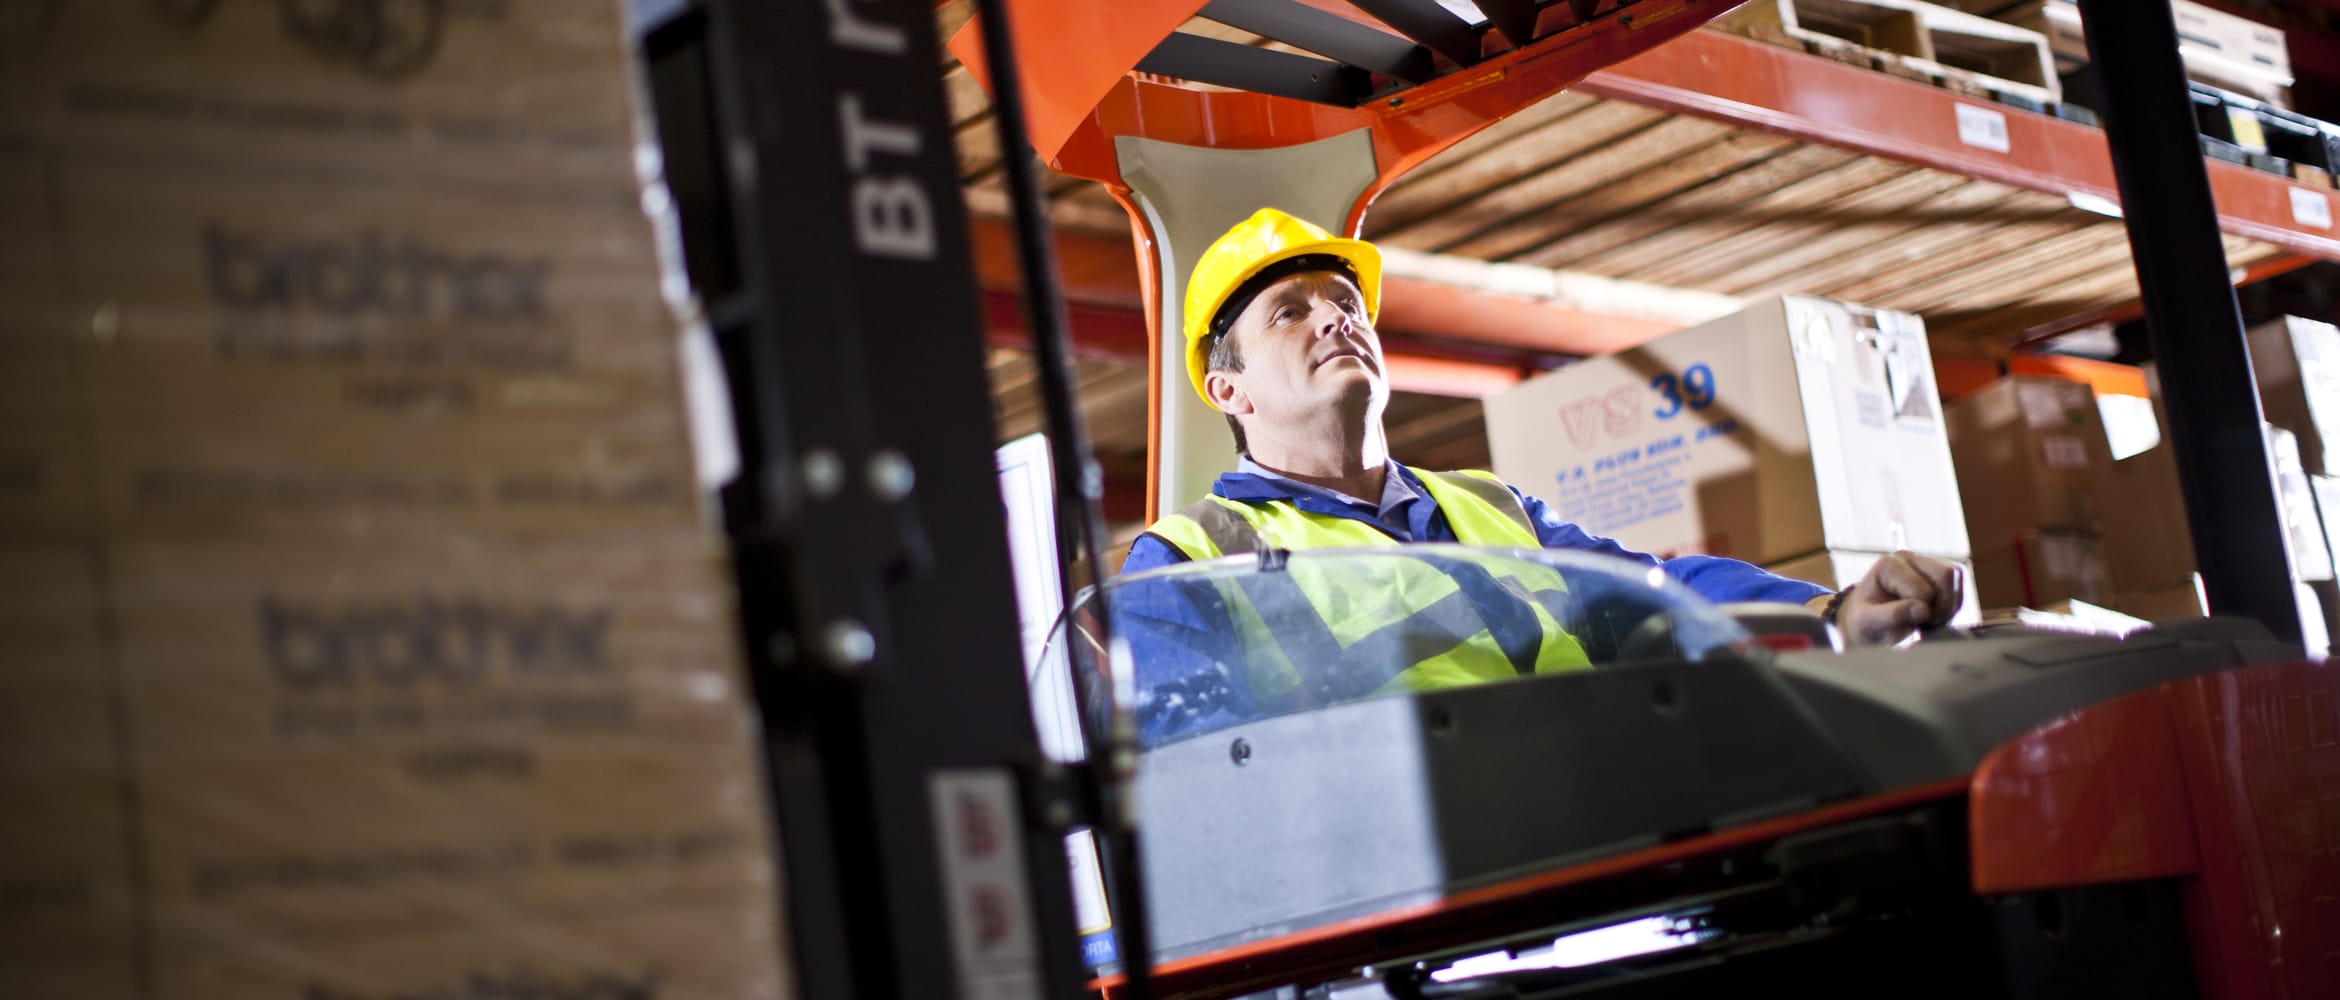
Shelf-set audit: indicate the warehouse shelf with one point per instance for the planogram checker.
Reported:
(1727, 166)
(1716, 164)
(1808, 98)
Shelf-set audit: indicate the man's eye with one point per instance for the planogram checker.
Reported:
(1285, 314)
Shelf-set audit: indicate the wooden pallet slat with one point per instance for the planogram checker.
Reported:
(1489, 168)
(1909, 38)
(1991, 330)
(977, 144)
(966, 98)
(2113, 287)
(1653, 259)
(1604, 201)
(1513, 132)
(1609, 239)
(1850, 236)
(1623, 197)
(1995, 277)
(1991, 206)
(1988, 240)
(1620, 158)
(1723, 266)
(2105, 258)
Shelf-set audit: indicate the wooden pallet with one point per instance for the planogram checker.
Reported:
(1948, 48)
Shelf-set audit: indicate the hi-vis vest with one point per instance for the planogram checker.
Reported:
(1405, 624)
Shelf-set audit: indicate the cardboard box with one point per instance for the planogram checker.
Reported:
(2031, 453)
(2297, 362)
(281, 353)
(66, 888)
(2148, 545)
(2131, 423)
(1799, 425)
(2178, 600)
(2042, 568)
(2218, 48)
(2311, 551)
(2327, 493)
(46, 461)
(2314, 628)
(527, 94)
(337, 741)
(340, 327)
(708, 951)
(1839, 569)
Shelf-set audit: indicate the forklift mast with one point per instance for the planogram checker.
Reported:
(811, 161)
(809, 155)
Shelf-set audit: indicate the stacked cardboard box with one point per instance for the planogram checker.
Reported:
(2219, 49)
(2149, 547)
(2311, 553)
(2031, 456)
(67, 903)
(1802, 434)
(389, 642)
(2149, 543)
(2297, 363)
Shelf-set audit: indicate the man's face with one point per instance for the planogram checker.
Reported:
(1306, 345)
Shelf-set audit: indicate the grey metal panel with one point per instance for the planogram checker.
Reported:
(1356, 777)
(1360, 807)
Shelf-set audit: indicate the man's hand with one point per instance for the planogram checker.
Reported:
(1902, 593)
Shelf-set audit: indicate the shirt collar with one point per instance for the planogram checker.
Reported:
(1397, 488)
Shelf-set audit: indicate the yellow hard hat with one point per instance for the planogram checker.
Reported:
(1224, 272)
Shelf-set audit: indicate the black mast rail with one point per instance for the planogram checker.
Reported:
(810, 156)
(2191, 316)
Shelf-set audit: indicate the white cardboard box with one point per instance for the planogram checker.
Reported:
(2311, 552)
(1798, 425)
(2327, 491)
(2297, 362)
(2218, 47)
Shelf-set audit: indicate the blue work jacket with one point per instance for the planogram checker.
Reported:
(1183, 683)
(1416, 518)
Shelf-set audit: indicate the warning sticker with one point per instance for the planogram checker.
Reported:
(987, 897)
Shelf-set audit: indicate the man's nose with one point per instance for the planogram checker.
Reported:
(1332, 319)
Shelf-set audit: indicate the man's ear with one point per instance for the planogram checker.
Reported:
(1225, 394)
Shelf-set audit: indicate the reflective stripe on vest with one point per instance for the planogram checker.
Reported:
(1428, 622)
(1481, 510)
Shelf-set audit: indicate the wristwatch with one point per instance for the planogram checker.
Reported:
(1835, 604)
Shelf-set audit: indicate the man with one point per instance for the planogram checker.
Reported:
(1279, 337)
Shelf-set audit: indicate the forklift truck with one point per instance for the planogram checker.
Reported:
(2018, 815)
